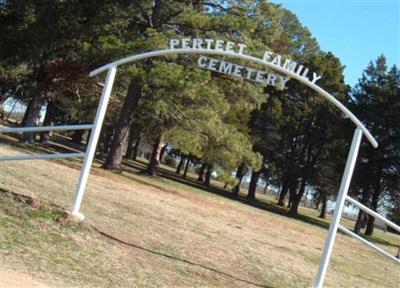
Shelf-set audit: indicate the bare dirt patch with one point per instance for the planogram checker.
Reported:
(9, 279)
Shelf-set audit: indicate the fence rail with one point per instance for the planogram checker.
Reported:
(42, 156)
(45, 128)
(42, 129)
(369, 244)
(372, 212)
(366, 242)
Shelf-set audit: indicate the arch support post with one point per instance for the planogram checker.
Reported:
(340, 201)
(91, 147)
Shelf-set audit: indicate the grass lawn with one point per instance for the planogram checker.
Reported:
(143, 231)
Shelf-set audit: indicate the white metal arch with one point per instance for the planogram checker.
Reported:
(111, 69)
(350, 164)
(253, 59)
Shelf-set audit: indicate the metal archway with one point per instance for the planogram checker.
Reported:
(347, 175)
(111, 69)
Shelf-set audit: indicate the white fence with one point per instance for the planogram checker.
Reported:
(43, 129)
(51, 156)
(111, 69)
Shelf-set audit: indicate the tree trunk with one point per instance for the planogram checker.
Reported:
(284, 190)
(296, 198)
(180, 165)
(186, 167)
(293, 205)
(32, 117)
(106, 139)
(240, 172)
(319, 199)
(253, 184)
(163, 149)
(292, 191)
(77, 136)
(324, 199)
(207, 179)
(365, 220)
(201, 173)
(114, 157)
(133, 135)
(136, 149)
(155, 156)
(371, 220)
(48, 121)
(359, 222)
(27, 111)
(361, 215)
(133, 143)
(291, 195)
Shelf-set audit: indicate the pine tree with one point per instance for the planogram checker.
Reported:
(376, 101)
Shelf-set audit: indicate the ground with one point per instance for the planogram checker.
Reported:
(142, 231)
(13, 279)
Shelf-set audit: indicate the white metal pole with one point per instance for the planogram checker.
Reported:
(376, 248)
(41, 156)
(94, 137)
(373, 213)
(45, 128)
(344, 188)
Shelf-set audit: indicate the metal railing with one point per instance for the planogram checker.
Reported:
(111, 69)
(366, 242)
(42, 129)
(373, 213)
(341, 198)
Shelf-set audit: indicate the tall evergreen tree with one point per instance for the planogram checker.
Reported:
(50, 39)
(376, 101)
(295, 128)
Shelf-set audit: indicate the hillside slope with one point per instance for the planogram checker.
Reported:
(141, 231)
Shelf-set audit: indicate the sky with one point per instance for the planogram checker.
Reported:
(355, 31)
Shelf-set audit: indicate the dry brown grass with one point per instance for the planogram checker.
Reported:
(170, 237)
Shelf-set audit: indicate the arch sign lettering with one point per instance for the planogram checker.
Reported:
(278, 71)
(260, 76)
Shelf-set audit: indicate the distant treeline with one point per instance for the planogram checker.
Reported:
(224, 126)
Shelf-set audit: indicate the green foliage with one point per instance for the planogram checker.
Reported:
(50, 46)
(295, 130)
(376, 101)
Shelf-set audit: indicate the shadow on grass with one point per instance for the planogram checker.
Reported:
(63, 144)
(140, 166)
(57, 144)
(378, 240)
(179, 259)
